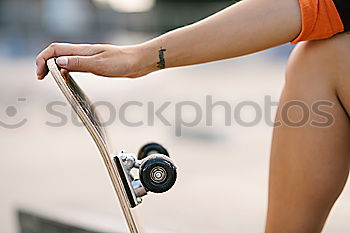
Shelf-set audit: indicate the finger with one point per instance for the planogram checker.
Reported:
(64, 72)
(76, 63)
(63, 49)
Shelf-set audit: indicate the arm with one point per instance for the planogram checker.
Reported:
(246, 27)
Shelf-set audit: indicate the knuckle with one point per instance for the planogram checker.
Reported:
(52, 49)
(77, 62)
(53, 45)
(88, 49)
(100, 48)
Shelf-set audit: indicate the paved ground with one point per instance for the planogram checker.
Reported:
(222, 183)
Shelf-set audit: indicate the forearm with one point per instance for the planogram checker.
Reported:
(246, 27)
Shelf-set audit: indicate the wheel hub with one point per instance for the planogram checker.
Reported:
(158, 174)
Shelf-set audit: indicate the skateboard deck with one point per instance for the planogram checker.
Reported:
(114, 164)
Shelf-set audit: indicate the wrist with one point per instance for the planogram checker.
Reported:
(144, 60)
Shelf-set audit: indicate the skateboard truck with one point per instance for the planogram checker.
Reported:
(156, 172)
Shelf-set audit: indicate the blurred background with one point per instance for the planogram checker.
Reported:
(223, 170)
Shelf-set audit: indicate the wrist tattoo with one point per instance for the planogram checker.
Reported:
(161, 63)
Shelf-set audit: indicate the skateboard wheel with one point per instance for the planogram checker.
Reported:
(157, 173)
(151, 148)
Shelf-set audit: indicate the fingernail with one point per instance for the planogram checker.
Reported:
(37, 72)
(62, 61)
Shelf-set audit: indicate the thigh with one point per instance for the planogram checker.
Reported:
(310, 149)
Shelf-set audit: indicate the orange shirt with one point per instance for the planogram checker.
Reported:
(322, 19)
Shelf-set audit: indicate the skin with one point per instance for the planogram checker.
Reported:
(309, 164)
(225, 32)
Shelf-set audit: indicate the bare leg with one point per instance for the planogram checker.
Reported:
(309, 165)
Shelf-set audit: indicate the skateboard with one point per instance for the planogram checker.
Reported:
(156, 171)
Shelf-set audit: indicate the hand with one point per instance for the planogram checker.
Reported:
(103, 60)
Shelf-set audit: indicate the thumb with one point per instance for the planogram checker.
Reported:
(75, 63)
